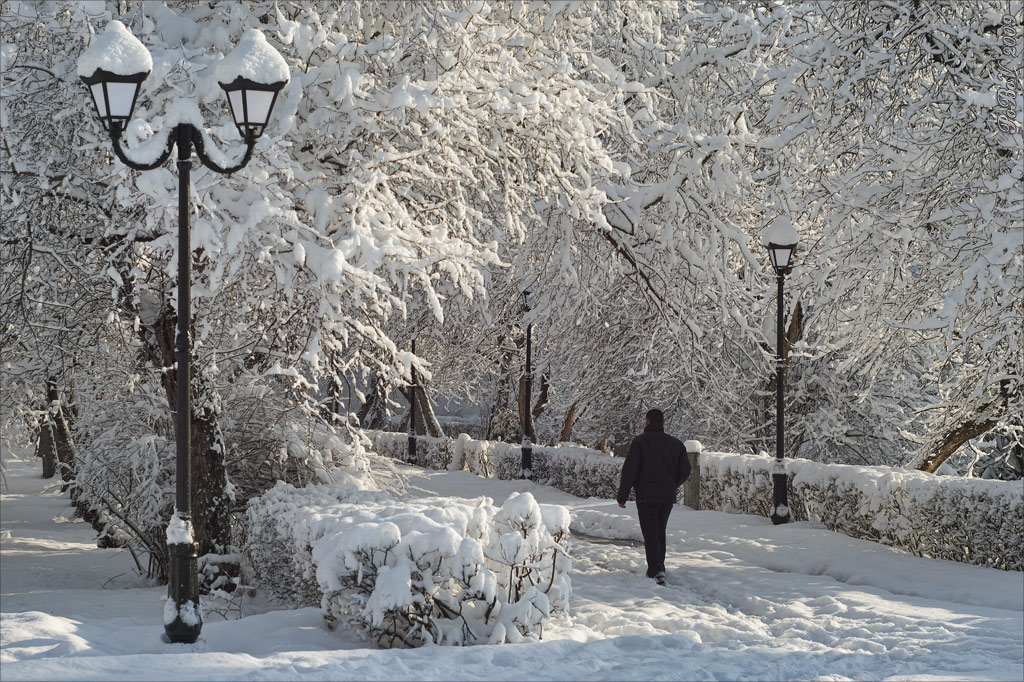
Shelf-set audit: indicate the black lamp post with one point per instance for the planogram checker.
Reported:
(113, 68)
(781, 239)
(527, 448)
(412, 409)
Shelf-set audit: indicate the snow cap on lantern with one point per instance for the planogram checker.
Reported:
(113, 67)
(780, 238)
(252, 75)
(117, 51)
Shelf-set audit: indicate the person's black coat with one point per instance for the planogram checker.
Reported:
(656, 466)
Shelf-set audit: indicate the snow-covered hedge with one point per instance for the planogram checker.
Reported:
(970, 520)
(409, 573)
(431, 453)
(577, 470)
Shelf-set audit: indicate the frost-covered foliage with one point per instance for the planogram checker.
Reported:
(907, 287)
(409, 573)
(945, 517)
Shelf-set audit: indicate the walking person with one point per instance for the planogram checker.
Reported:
(655, 468)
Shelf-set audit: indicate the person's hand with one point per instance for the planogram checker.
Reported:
(622, 505)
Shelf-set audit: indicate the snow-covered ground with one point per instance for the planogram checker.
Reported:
(745, 600)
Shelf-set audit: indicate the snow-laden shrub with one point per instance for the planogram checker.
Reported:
(492, 459)
(409, 573)
(971, 520)
(277, 540)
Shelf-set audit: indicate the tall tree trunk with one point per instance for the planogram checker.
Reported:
(568, 421)
(542, 397)
(60, 432)
(374, 412)
(537, 408)
(427, 423)
(210, 504)
(502, 390)
(367, 406)
(45, 448)
(428, 418)
(403, 427)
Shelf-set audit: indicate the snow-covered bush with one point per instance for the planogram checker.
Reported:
(408, 573)
(970, 520)
(491, 459)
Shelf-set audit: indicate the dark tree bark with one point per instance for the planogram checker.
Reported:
(210, 507)
(568, 421)
(60, 434)
(373, 413)
(953, 440)
(983, 419)
(427, 417)
(500, 402)
(427, 423)
(364, 409)
(542, 397)
(45, 449)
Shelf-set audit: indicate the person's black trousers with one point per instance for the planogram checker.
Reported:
(653, 521)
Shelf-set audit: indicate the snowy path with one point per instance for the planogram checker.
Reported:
(746, 600)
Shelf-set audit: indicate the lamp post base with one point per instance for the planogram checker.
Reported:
(780, 506)
(526, 464)
(183, 620)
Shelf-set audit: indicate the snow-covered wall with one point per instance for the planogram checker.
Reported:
(970, 520)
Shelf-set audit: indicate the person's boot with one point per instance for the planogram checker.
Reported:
(659, 577)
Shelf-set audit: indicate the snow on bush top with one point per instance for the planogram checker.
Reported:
(115, 50)
(781, 232)
(255, 59)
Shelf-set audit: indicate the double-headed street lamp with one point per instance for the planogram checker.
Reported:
(526, 465)
(781, 239)
(113, 68)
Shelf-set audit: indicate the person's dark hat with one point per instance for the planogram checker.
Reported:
(656, 417)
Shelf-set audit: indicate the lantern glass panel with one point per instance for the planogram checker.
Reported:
(259, 102)
(237, 106)
(99, 98)
(781, 256)
(121, 97)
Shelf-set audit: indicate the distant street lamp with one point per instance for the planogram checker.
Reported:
(113, 68)
(526, 464)
(412, 408)
(781, 239)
